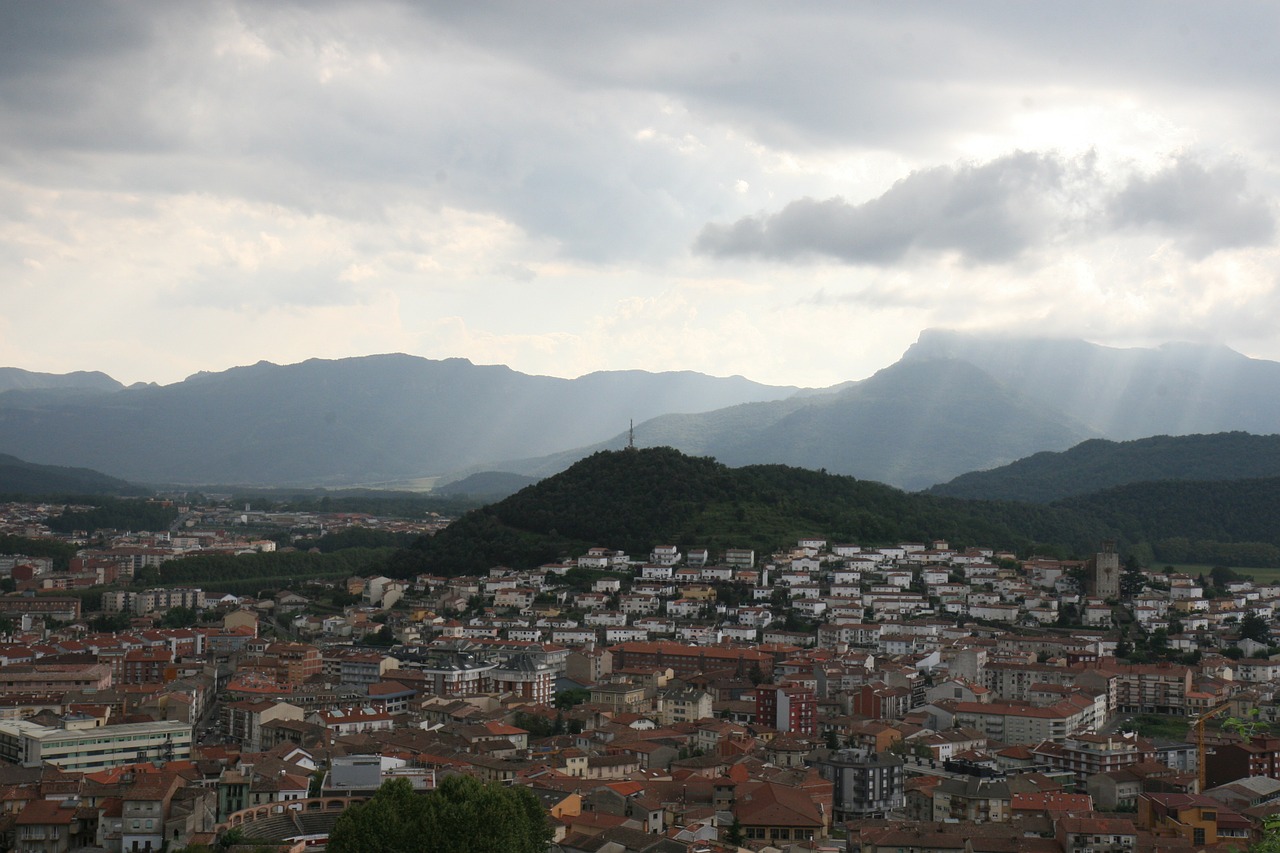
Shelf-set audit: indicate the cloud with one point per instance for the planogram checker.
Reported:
(1203, 208)
(985, 213)
(527, 168)
(997, 211)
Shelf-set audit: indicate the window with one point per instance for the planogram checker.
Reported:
(1198, 834)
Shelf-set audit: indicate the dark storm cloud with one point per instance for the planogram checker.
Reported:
(37, 38)
(1205, 209)
(986, 213)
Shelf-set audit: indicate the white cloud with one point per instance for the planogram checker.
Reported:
(995, 212)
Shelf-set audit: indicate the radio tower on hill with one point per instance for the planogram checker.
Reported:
(631, 435)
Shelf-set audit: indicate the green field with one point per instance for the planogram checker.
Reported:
(1258, 575)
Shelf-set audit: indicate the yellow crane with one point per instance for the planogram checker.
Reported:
(1198, 726)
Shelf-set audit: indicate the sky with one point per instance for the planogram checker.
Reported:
(785, 191)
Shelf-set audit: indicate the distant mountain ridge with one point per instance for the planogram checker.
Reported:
(908, 426)
(1122, 394)
(1100, 464)
(955, 403)
(345, 422)
(17, 379)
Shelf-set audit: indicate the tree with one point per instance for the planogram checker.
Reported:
(1254, 627)
(384, 637)
(109, 623)
(462, 815)
(1222, 575)
(146, 576)
(1270, 841)
(179, 617)
(1247, 726)
(231, 838)
(735, 835)
(574, 696)
(1131, 579)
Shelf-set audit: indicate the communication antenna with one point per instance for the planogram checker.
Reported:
(631, 435)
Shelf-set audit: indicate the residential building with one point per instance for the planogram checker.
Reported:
(787, 708)
(866, 784)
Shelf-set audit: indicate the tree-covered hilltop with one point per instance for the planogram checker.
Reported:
(22, 479)
(635, 499)
(1098, 464)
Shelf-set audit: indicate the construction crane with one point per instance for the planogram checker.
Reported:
(1198, 726)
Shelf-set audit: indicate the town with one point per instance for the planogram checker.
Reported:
(858, 697)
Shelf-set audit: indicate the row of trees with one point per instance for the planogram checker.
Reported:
(115, 514)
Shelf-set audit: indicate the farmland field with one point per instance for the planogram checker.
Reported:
(1271, 575)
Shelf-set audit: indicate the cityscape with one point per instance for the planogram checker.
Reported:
(644, 427)
(830, 696)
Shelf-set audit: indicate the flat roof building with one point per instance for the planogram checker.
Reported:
(79, 744)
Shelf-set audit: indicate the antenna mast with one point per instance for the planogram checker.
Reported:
(631, 435)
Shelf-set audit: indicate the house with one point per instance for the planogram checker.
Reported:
(774, 813)
(1096, 834)
(50, 826)
(1199, 819)
(972, 799)
(684, 705)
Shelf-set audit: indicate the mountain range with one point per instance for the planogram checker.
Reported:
(350, 421)
(955, 403)
(1121, 394)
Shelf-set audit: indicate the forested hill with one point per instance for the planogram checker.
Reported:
(18, 477)
(1099, 464)
(1229, 522)
(635, 499)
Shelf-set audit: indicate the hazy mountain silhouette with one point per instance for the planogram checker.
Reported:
(910, 425)
(954, 403)
(1175, 389)
(347, 421)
